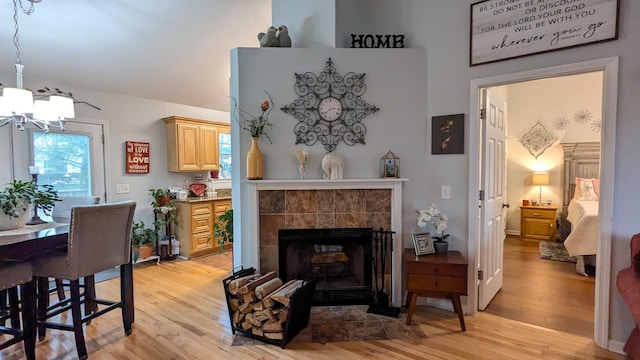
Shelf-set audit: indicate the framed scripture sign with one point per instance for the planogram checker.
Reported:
(505, 29)
(137, 157)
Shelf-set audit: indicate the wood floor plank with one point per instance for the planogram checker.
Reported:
(181, 314)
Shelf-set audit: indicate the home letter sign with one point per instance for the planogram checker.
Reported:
(137, 157)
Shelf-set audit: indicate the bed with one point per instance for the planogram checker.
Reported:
(579, 223)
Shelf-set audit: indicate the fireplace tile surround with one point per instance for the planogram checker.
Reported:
(295, 204)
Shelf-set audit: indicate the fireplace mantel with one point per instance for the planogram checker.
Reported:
(394, 184)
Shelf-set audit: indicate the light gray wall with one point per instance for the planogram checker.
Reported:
(126, 118)
(443, 28)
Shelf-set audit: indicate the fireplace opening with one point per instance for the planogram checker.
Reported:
(338, 260)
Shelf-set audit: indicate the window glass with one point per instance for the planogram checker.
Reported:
(65, 162)
(224, 149)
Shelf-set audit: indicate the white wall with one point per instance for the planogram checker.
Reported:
(127, 118)
(545, 101)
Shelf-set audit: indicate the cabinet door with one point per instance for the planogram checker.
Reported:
(208, 148)
(224, 151)
(187, 144)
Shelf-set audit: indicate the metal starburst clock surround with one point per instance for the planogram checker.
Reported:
(330, 108)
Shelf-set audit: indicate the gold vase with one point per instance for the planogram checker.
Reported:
(254, 160)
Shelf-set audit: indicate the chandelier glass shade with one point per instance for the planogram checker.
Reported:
(17, 104)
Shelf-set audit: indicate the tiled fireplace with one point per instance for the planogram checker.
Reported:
(324, 204)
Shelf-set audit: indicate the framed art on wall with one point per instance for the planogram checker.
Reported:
(503, 30)
(423, 244)
(447, 134)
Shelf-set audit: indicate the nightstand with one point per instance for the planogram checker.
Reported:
(441, 276)
(538, 223)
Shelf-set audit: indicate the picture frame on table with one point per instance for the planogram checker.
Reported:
(423, 244)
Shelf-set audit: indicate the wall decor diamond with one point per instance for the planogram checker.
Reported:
(537, 140)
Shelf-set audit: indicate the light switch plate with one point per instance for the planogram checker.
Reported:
(445, 192)
(122, 188)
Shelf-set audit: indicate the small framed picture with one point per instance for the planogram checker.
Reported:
(423, 244)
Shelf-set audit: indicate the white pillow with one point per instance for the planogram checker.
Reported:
(586, 191)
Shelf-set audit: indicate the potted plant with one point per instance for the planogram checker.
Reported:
(439, 221)
(223, 229)
(16, 199)
(160, 197)
(142, 240)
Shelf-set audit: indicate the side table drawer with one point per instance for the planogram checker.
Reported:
(418, 282)
(436, 269)
(539, 214)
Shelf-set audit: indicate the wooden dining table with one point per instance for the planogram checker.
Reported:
(34, 241)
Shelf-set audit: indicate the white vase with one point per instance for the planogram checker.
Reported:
(9, 223)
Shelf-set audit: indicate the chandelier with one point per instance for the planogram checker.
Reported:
(17, 105)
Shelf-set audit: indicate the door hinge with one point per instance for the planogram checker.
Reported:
(483, 114)
(480, 275)
(481, 195)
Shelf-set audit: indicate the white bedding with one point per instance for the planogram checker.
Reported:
(583, 239)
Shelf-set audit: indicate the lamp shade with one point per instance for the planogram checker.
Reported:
(540, 178)
(20, 101)
(62, 106)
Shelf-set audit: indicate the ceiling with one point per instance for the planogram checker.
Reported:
(167, 50)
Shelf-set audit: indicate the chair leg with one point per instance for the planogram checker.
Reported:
(126, 297)
(76, 314)
(60, 289)
(28, 292)
(14, 307)
(42, 304)
(4, 309)
(90, 305)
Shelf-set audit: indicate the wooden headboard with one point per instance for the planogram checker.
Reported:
(581, 159)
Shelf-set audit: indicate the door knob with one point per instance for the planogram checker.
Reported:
(506, 205)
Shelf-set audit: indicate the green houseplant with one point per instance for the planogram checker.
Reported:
(16, 199)
(223, 229)
(142, 240)
(160, 197)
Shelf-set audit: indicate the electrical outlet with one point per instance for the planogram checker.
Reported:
(122, 188)
(445, 192)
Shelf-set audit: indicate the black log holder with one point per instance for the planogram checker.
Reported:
(382, 244)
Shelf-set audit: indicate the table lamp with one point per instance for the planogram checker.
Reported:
(540, 178)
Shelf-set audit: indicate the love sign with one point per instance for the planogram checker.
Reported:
(137, 157)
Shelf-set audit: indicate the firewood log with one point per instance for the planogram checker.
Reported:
(271, 314)
(272, 326)
(268, 287)
(254, 320)
(258, 306)
(283, 314)
(249, 287)
(250, 297)
(234, 303)
(246, 325)
(234, 285)
(257, 331)
(274, 335)
(261, 318)
(283, 294)
(268, 301)
(245, 308)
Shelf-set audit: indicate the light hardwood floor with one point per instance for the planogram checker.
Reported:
(543, 292)
(181, 314)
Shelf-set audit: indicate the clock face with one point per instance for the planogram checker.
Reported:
(330, 108)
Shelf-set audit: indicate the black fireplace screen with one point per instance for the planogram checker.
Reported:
(338, 260)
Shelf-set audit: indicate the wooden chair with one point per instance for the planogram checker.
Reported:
(99, 239)
(13, 275)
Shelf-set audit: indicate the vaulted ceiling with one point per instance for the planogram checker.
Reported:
(167, 50)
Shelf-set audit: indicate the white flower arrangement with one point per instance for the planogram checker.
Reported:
(433, 216)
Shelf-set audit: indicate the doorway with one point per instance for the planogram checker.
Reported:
(609, 67)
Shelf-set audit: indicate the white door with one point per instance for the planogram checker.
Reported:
(73, 161)
(493, 183)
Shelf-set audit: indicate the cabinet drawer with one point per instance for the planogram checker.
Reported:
(201, 223)
(538, 214)
(437, 269)
(419, 282)
(222, 206)
(201, 209)
(201, 241)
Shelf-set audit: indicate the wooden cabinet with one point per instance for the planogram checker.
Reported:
(192, 145)
(437, 276)
(195, 225)
(538, 222)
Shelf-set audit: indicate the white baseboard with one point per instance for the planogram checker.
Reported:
(616, 346)
(512, 232)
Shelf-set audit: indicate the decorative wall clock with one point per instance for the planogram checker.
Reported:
(330, 108)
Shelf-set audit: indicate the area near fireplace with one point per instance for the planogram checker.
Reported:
(305, 204)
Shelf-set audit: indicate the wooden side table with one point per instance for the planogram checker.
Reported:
(538, 222)
(442, 276)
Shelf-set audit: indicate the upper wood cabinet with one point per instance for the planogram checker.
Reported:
(192, 144)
